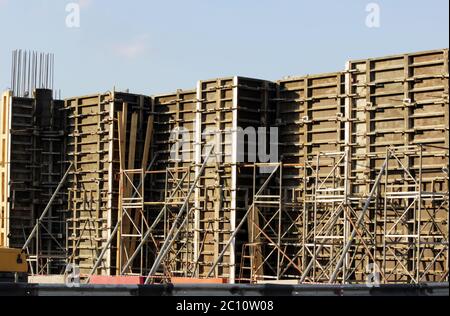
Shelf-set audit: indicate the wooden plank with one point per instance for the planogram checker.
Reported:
(148, 142)
(132, 145)
(125, 124)
(145, 161)
(121, 187)
(127, 226)
(121, 133)
(124, 185)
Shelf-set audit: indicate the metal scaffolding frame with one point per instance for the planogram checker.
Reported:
(342, 238)
(415, 239)
(330, 228)
(176, 218)
(177, 180)
(131, 211)
(41, 261)
(273, 227)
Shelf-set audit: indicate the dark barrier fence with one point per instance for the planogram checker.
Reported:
(441, 289)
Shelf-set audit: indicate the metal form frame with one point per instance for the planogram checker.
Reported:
(5, 167)
(312, 118)
(176, 131)
(91, 132)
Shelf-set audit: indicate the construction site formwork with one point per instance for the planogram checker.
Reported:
(33, 163)
(400, 112)
(226, 109)
(175, 116)
(154, 186)
(197, 182)
(94, 183)
(364, 176)
(170, 186)
(311, 116)
(323, 214)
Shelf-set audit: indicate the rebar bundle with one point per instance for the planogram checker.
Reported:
(31, 70)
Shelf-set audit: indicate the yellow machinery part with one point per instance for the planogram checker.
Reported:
(12, 261)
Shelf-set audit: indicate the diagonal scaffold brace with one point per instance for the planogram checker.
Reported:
(360, 221)
(176, 229)
(116, 228)
(242, 222)
(354, 233)
(47, 208)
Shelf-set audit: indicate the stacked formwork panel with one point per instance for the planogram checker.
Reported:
(20, 179)
(174, 133)
(392, 112)
(51, 163)
(401, 102)
(310, 112)
(307, 220)
(93, 186)
(174, 148)
(187, 125)
(32, 167)
(226, 109)
(322, 174)
(216, 197)
(316, 216)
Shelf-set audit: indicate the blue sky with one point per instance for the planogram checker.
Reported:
(159, 46)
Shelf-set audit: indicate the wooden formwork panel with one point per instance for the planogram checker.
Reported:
(22, 173)
(93, 148)
(32, 155)
(209, 115)
(174, 148)
(174, 132)
(51, 163)
(399, 101)
(403, 101)
(310, 113)
(225, 193)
